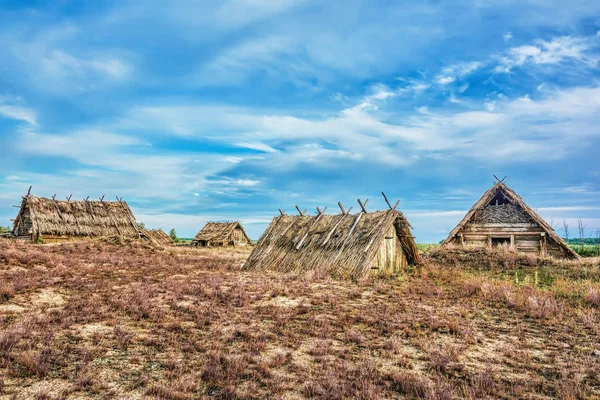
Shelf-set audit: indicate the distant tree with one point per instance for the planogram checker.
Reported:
(566, 229)
(173, 235)
(141, 225)
(581, 229)
(4, 229)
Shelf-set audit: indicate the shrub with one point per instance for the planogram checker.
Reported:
(7, 290)
(593, 296)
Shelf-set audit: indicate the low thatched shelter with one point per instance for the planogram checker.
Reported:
(217, 234)
(53, 220)
(353, 245)
(501, 218)
(157, 237)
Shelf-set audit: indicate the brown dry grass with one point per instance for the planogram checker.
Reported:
(99, 320)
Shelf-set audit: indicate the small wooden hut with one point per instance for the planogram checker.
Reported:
(352, 245)
(218, 234)
(157, 237)
(501, 217)
(55, 220)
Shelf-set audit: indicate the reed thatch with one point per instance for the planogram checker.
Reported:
(343, 244)
(48, 219)
(158, 237)
(502, 212)
(222, 234)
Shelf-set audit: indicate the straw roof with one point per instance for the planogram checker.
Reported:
(76, 218)
(343, 244)
(218, 232)
(158, 237)
(515, 199)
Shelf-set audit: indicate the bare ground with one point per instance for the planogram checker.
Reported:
(98, 320)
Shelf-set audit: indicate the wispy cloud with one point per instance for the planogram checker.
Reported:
(18, 113)
(554, 51)
(451, 73)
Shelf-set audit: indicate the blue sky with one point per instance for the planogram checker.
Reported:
(228, 110)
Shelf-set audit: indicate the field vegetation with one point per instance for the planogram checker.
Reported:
(124, 320)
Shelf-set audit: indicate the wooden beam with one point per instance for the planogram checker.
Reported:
(300, 212)
(341, 207)
(348, 236)
(387, 201)
(281, 212)
(333, 229)
(396, 205)
(29, 191)
(308, 231)
(69, 198)
(500, 234)
(363, 206)
(499, 180)
(102, 199)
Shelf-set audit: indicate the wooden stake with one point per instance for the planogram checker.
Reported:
(300, 212)
(69, 198)
(102, 199)
(86, 199)
(54, 197)
(308, 231)
(387, 201)
(333, 229)
(396, 205)
(29, 191)
(363, 206)
(348, 236)
(281, 212)
(341, 207)
(499, 180)
(321, 212)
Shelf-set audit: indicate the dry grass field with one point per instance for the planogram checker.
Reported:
(127, 321)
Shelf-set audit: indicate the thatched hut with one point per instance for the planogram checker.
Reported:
(353, 245)
(157, 237)
(53, 220)
(217, 234)
(501, 217)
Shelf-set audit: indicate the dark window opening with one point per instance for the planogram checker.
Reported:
(499, 199)
(500, 242)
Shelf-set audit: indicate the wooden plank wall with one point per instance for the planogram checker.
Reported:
(390, 258)
(238, 238)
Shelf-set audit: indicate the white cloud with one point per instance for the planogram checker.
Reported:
(365, 132)
(507, 37)
(554, 51)
(235, 182)
(257, 146)
(451, 73)
(60, 65)
(236, 64)
(18, 113)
